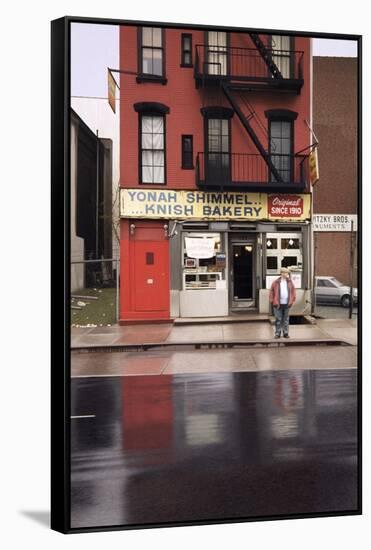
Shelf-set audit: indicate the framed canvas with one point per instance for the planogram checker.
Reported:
(206, 274)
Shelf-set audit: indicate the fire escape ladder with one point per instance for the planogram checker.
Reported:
(266, 55)
(245, 121)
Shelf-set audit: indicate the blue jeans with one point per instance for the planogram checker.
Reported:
(282, 319)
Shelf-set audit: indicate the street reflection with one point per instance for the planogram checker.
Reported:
(183, 447)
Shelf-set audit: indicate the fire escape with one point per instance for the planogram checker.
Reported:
(230, 72)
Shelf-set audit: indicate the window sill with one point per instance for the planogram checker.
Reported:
(151, 78)
(188, 167)
(151, 184)
(186, 66)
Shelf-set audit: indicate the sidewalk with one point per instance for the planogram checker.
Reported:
(219, 333)
(166, 362)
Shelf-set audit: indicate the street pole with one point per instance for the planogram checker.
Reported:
(314, 244)
(351, 270)
(97, 202)
(117, 290)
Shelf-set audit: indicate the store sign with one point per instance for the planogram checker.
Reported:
(111, 92)
(313, 166)
(200, 205)
(334, 222)
(220, 259)
(285, 206)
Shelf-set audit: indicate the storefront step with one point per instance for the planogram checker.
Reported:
(234, 318)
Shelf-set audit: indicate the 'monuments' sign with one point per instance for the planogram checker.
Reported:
(334, 222)
(200, 205)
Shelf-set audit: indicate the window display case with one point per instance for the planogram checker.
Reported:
(203, 261)
(204, 290)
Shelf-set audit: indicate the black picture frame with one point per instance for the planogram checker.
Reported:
(60, 270)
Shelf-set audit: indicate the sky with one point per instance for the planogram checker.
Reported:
(94, 47)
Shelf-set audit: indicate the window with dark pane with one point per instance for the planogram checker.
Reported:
(152, 153)
(187, 151)
(272, 262)
(152, 51)
(150, 258)
(288, 261)
(271, 244)
(218, 147)
(281, 147)
(290, 243)
(186, 50)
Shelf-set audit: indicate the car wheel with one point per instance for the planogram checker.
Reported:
(345, 300)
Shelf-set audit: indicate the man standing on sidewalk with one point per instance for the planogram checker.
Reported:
(282, 296)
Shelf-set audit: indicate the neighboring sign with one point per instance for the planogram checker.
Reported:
(220, 259)
(200, 205)
(111, 92)
(313, 166)
(200, 247)
(334, 222)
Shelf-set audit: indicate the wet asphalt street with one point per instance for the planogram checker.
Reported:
(186, 447)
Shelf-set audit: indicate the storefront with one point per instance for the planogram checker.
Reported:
(225, 249)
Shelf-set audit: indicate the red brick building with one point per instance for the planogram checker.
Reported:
(215, 195)
(335, 125)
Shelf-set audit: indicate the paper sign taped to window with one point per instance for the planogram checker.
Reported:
(200, 248)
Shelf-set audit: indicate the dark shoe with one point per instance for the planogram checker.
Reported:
(286, 336)
(277, 336)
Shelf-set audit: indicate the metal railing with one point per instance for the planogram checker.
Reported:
(220, 169)
(246, 63)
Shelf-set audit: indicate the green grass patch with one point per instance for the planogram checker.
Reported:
(95, 312)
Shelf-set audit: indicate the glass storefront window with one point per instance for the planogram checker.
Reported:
(290, 243)
(283, 250)
(271, 244)
(288, 261)
(272, 262)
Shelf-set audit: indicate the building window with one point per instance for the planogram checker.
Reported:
(187, 152)
(282, 54)
(152, 148)
(186, 55)
(152, 51)
(217, 53)
(281, 144)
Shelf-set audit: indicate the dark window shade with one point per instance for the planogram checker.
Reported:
(187, 151)
(281, 147)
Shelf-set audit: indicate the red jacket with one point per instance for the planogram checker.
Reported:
(274, 294)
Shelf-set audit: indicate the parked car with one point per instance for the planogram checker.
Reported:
(331, 291)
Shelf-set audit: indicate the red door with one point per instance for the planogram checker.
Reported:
(151, 279)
